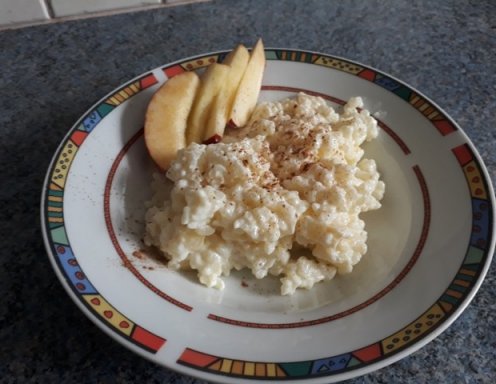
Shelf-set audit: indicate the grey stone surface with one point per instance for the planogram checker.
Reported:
(51, 74)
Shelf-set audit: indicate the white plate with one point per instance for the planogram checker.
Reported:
(429, 246)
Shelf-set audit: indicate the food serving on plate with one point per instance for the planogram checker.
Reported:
(280, 194)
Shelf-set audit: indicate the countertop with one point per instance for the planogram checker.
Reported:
(51, 74)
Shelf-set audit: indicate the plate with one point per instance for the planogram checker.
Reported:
(430, 245)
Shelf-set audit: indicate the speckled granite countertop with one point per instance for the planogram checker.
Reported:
(51, 74)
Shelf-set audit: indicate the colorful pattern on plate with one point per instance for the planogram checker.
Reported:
(431, 112)
(323, 366)
(464, 281)
(452, 298)
(61, 249)
(442, 124)
(413, 332)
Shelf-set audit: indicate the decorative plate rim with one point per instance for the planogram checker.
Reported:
(368, 358)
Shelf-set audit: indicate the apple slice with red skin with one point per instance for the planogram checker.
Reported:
(167, 116)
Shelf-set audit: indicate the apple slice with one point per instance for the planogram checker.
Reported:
(167, 116)
(221, 107)
(211, 82)
(249, 88)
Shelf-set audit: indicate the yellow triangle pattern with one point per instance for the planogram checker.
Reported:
(414, 330)
(474, 179)
(63, 164)
(338, 64)
(199, 63)
(109, 314)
